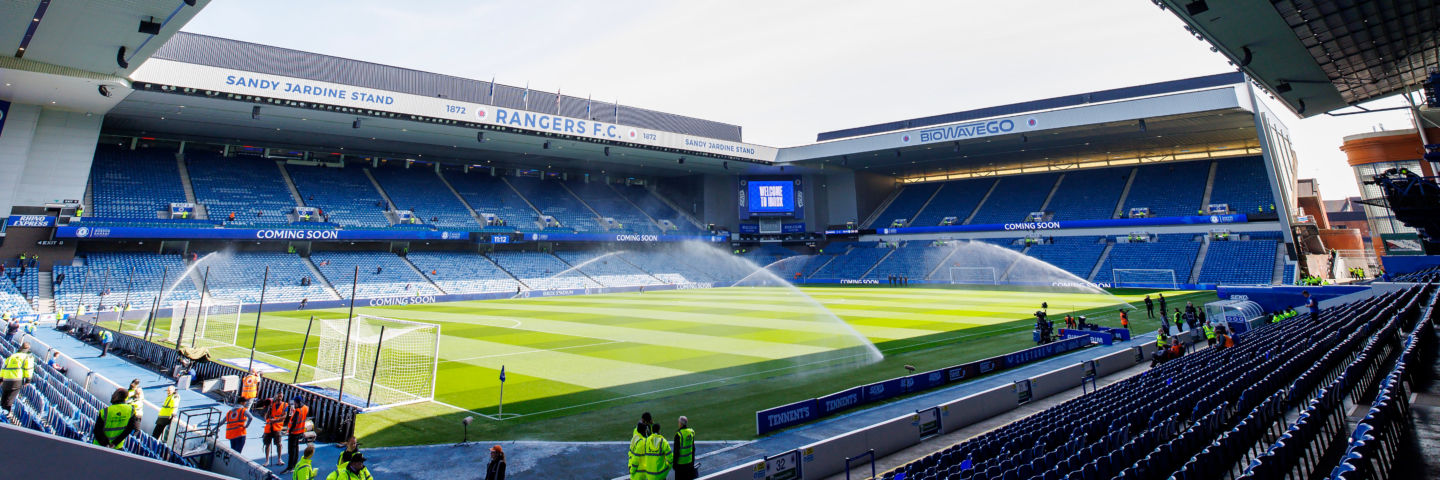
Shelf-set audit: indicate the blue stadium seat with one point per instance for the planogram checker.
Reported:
(137, 184)
(1015, 198)
(1169, 189)
(420, 190)
(345, 196)
(244, 185)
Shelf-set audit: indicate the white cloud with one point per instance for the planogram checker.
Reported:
(785, 71)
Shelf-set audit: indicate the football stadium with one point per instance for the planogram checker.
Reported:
(228, 259)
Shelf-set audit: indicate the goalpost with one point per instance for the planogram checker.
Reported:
(216, 324)
(1145, 277)
(973, 275)
(386, 362)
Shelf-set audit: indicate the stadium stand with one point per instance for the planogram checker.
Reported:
(1198, 416)
(1021, 194)
(767, 254)
(420, 190)
(907, 203)
(1427, 275)
(1076, 255)
(1239, 262)
(1243, 185)
(1088, 194)
(541, 271)
(395, 278)
(1172, 252)
(656, 208)
(53, 404)
(610, 271)
(854, 263)
(462, 273)
(609, 203)
(26, 281)
(243, 185)
(956, 199)
(105, 280)
(551, 198)
(1169, 189)
(664, 267)
(134, 184)
(233, 276)
(916, 259)
(12, 301)
(487, 194)
(344, 196)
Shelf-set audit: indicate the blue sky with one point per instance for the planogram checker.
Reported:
(783, 70)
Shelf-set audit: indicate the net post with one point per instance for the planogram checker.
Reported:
(255, 337)
(199, 310)
(303, 345)
(129, 281)
(375, 367)
(180, 335)
(349, 327)
(155, 307)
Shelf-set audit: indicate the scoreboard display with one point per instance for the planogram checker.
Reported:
(771, 196)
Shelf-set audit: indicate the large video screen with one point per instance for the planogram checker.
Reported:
(772, 197)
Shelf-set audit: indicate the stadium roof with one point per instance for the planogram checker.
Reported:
(250, 57)
(89, 35)
(1041, 105)
(1205, 117)
(1321, 55)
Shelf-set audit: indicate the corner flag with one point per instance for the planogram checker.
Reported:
(502, 374)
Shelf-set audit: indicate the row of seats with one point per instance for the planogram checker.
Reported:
(233, 277)
(345, 196)
(250, 187)
(551, 198)
(371, 274)
(420, 190)
(55, 405)
(608, 203)
(463, 273)
(656, 208)
(139, 184)
(107, 279)
(1151, 426)
(1167, 189)
(1239, 262)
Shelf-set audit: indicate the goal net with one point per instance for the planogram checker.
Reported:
(384, 362)
(973, 275)
(1145, 278)
(214, 324)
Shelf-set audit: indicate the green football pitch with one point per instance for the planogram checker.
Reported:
(582, 368)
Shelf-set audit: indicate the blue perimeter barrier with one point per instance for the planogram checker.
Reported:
(785, 416)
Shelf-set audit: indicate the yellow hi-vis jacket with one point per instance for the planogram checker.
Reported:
(168, 407)
(651, 460)
(684, 447)
(1209, 332)
(20, 365)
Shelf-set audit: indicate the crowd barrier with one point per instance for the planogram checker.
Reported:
(828, 457)
(785, 416)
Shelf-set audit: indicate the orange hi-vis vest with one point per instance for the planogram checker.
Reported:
(250, 386)
(297, 424)
(275, 421)
(235, 423)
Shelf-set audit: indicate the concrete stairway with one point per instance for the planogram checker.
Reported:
(290, 184)
(45, 298)
(417, 271)
(468, 208)
(200, 212)
(319, 277)
(1103, 256)
(1199, 263)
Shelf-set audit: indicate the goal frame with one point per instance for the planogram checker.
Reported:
(351, 367)
(194, 316)
(1115, 275)
(994, 276)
